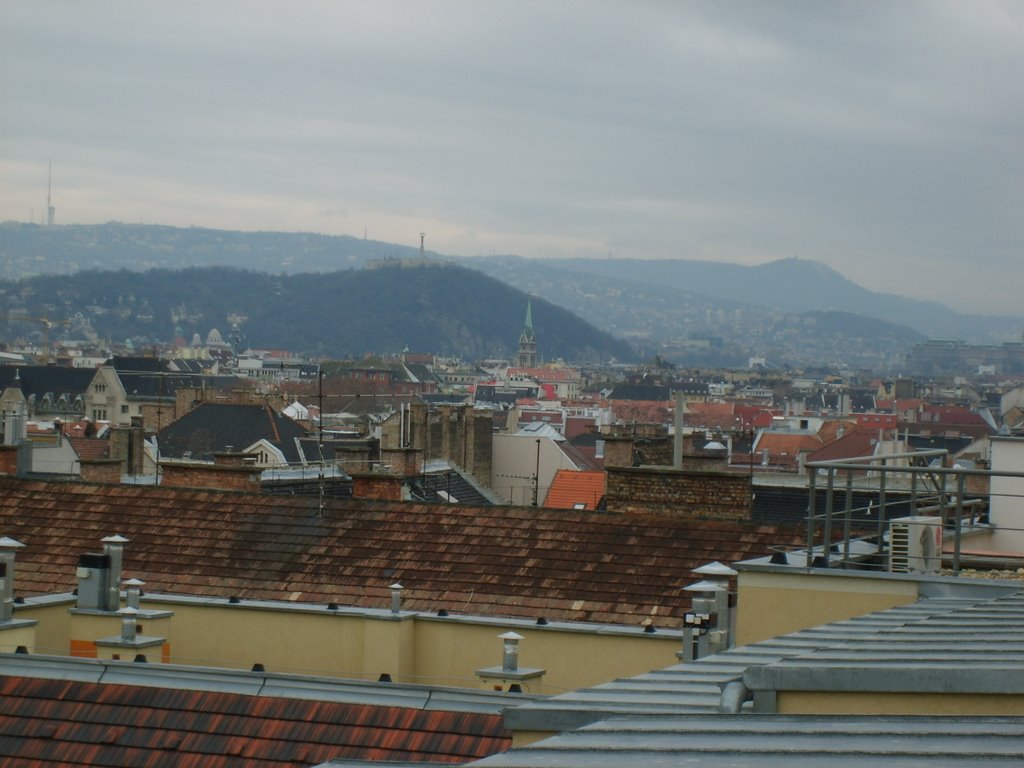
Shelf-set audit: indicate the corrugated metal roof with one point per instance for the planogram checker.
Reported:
(941, 635)
(740, 741)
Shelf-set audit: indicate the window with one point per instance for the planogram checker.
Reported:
(124, 408)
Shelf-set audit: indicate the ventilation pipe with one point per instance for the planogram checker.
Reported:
(725, 606)
(129, 625)
(113, 547)
(133, 591)
(8, 547)
(701, 633)
(396, 598)
(510, 651)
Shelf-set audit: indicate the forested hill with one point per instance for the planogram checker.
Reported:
(440, 308)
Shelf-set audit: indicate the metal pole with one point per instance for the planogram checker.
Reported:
(846, 520)
(811, 503)
(913, 493)
(827, 543)
(959, 523)
(881, 508)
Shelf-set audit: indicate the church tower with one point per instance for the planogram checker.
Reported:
(528, 342)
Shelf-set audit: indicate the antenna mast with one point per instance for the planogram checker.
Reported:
(49, 189)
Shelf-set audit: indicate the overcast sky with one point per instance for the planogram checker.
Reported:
(885, 139)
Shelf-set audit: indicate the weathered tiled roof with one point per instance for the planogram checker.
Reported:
(501, 561)
(46, 723)
(858, 443)
(90, 448)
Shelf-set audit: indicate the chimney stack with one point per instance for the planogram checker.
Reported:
(8, 547)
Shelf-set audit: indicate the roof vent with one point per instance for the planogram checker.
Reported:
(779, 558)
(542, 622)
(396, 598)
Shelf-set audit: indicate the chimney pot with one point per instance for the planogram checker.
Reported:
(396, 598)
(510, 651)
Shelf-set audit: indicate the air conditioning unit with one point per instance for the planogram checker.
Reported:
(915, 544)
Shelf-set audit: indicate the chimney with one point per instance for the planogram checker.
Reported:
(8, 547)
(229, 471)
(133, 591)
(510, 651)
(113, 546)
(396, 598)
(99, 576)
(677, 443)
(377, 486)
(510, 677)
(129, 625)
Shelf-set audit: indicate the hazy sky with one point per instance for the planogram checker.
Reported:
(883, 138)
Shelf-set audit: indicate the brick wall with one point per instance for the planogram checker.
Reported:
(229, 472)
(377, 486)
(102, 470)
(8, 460)
(690, 493)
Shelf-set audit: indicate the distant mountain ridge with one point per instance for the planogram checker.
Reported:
(443, 308)
(796, 311)
(793, 285)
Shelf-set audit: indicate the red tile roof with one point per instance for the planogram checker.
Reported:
(641, 412)
(90, 447)
(56, 723)
(570, 488)
(712, 416)
(860, 442)
(502, 561)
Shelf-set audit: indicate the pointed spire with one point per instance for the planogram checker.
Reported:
(528, 328)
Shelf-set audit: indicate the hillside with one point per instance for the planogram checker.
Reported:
(789, 285)
(691, 312)
(442, 308)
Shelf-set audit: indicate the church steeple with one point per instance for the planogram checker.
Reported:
(528, 341)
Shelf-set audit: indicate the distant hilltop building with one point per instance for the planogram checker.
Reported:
(527, 342)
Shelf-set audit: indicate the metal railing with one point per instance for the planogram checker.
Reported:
(932, 488)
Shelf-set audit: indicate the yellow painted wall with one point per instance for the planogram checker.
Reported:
(773, 604)
(54, 627)
(411, 649)
(12, 637)
(571, 660)
(873, 703)
(522, 738)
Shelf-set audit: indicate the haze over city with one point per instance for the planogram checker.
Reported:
(879, 138)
